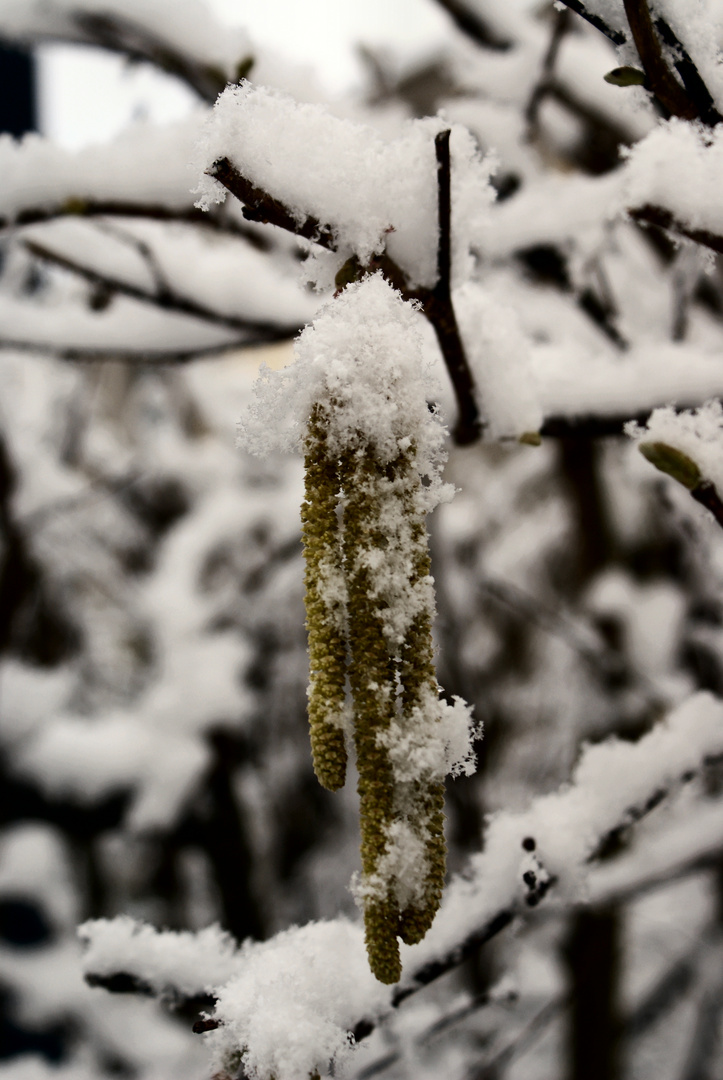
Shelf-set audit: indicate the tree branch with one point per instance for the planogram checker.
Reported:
(91, 208)
(123, 35)
(616, 36)
(706, 494)
(437, 306)
(164, 298)
(665, 219)
(690, 76)
(672, 96)
(260, 206)
(436, 303)
(91, 354)
(473, 25)
(543, 85)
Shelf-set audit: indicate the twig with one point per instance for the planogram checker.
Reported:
(121, 34)
(437, 306)
(91, 208)
(91, 354)
(666, 88)
(616, 36)
(260, 206)
(543, 85)
(706, 494)
(690, 76)
(164, 298)
(473, 25)
(665, 219)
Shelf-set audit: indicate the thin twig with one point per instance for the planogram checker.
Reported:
(437, 306)
(93, 354)
(663, 84)
(260, 206)
(616, 36)
(164, 299)
(706, 494)
(471, 23)
(665, 219)
(689, 75)
(121, 34)
(543, 85)
(92, 208)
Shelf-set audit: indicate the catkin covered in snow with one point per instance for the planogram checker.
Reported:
(356, 402)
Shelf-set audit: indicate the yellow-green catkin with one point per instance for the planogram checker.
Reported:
(372, 677)
(419, 686)
(325, 616)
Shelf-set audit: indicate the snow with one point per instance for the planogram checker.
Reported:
(364, 351)
(189, 28)
(39, 175)
(499, 355)
(288, 1004)
(187, 963)
(678, 167)
(373, 193)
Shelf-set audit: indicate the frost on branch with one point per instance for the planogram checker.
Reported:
(356, 400)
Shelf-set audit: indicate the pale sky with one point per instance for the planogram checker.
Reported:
(88, 96)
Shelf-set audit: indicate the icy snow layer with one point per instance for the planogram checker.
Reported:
(373, 193)
(291, 1001)
(364, 354)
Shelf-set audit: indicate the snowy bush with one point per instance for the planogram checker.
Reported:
(500, 418)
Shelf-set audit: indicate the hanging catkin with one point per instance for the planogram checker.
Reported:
(356, 402)
(391, 673)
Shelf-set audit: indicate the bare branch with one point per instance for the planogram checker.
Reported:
(92, 354)
(664, 219)
(438, 307)
(164, 298)
(121, 34)
(543, 85)
(672, 96)
(92, 208)
(689, 75)
(260, 206)
(466, 19)
(616, 36)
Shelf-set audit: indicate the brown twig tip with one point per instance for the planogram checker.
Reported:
(707, 495)
(262, 207)
(201, 1026)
